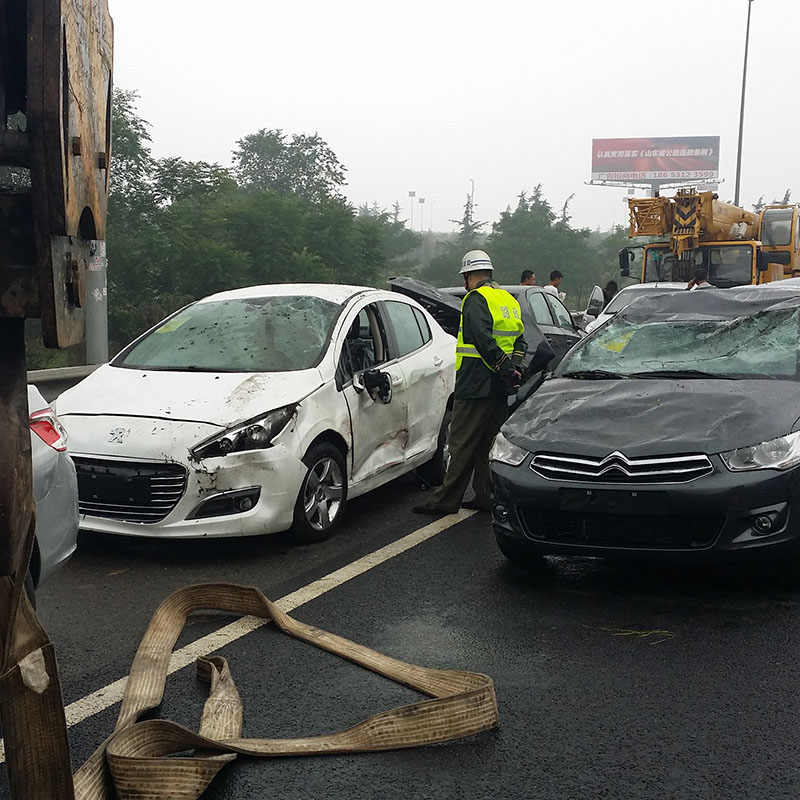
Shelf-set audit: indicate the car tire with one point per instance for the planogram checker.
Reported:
(323, 495)
(433, 471)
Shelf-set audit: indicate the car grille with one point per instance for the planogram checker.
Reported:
(640, 531)
(618, 468)
(132, 491)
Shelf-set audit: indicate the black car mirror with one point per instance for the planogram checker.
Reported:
(378, 384)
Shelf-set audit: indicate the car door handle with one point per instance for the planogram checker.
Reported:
(437, 362)
(396, 380)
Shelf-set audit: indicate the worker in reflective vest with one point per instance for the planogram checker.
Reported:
(490, 356)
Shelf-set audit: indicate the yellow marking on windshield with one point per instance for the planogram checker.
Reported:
(172, 325)
(617, 345)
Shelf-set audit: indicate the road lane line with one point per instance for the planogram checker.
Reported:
(104, 698)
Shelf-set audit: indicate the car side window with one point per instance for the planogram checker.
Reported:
(425, 329)
(563, 317)
(364, 345)
(407, 331)
(539, 308)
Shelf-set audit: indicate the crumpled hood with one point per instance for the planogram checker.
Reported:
(219, 398)
(653, 417)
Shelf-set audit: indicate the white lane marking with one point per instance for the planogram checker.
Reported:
(106, 697)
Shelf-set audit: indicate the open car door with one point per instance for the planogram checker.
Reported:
(443, 307)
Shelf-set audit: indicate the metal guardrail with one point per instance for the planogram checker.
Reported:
(51, 382)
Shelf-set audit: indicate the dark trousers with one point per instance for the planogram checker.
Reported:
(474, 425)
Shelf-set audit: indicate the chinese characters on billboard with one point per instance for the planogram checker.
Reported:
(660, 159)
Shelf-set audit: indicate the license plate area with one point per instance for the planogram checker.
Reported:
(613, 501)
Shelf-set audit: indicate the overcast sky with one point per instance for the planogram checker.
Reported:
(431, 95)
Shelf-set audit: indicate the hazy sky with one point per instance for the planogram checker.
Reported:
(429, 95)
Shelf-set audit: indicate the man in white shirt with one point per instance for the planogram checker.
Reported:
(555, 280)
(700, 280)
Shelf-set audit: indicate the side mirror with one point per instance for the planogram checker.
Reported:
(625, 258)
(378, 384)
(358, 382)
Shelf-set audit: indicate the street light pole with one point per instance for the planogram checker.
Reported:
(741, 108)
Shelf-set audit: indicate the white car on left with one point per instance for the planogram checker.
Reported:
(261, 410)
(55, 492)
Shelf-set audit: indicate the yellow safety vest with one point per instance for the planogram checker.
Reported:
(507, 323)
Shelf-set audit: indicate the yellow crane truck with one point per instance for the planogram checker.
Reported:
(695, 229)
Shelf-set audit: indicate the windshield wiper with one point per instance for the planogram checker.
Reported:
(592, 375)
(681, 373)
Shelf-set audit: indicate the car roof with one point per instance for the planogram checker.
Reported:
(637, 287)
(335, 292)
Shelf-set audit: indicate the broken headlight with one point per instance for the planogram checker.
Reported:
(506, 452)
(255, 434)
(780, 453)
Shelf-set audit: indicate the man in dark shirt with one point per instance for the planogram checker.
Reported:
(490, 355)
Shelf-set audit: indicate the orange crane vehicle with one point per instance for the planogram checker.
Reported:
(695, 229)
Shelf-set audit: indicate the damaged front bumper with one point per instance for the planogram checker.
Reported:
(719, 514)
(133, 492)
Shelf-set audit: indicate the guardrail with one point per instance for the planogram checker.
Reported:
(51, 382)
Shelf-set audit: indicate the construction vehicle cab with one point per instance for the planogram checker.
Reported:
(779, 232)
(696, 230)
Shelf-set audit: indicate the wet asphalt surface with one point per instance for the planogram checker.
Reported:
(614, 680)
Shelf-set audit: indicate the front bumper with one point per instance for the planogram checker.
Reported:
(719, 514)
(205, 506)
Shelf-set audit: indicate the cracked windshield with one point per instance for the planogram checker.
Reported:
(762, 345)
(252, 335)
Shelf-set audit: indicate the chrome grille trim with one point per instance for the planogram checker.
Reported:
(619, 468)
(129, 491)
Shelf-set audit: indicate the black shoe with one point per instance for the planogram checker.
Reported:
(431, 509)
(476, 506)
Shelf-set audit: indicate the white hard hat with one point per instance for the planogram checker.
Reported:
(474, 261)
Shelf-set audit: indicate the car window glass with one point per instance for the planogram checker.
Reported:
(406, 328)
(423, 325)
(763, 344)
(563, 317)
(364, 345)
(254, 334)
(539, 308)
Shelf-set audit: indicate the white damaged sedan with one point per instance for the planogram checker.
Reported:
(261, 410)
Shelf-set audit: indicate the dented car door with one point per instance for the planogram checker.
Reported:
(375, 390)
(422, 360)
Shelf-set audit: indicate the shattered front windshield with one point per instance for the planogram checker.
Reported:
(256, 334)
(764, 345)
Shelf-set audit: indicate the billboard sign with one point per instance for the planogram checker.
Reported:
(671, 158)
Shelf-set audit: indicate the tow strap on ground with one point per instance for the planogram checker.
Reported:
(148, 759)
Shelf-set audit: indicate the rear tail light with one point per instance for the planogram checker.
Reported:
(46, 426)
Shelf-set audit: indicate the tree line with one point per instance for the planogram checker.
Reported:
(178, 230)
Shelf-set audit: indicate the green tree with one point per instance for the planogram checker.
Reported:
(175, 179)
(303, 165)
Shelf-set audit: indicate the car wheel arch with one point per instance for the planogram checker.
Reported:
(330, 437)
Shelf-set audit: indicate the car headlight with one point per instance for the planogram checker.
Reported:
(255, 434)
(506, 452)
(780, 453)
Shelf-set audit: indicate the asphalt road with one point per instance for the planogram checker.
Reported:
(614, 680)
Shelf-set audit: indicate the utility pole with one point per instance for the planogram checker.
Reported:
(741, 108)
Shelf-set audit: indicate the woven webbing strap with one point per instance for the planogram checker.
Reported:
(138, 761)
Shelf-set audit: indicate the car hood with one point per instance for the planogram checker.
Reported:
(653, 416)
(219, 398)
(443, 307)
